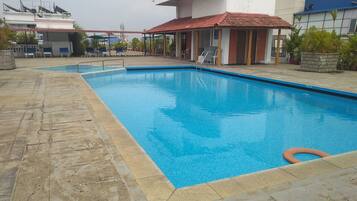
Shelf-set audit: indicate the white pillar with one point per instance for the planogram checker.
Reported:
(178, 44)
(268, 46)
(225, 45)
(192, 45)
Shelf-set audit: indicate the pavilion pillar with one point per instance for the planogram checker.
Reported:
(196, 46)
(150, 44)
(144, 44)
(178, 44)
(109, 44)
(219, 52)
(277, 48)
(250, 41)
(153, 44)
(164, 44)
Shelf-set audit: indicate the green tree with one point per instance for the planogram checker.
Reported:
(6, 35)
(293, 43)
(81, 38)
(135, 44)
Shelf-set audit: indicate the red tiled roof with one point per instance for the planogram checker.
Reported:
(237, 20)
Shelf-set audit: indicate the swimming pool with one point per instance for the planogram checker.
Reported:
(81, 69)
(199, 126)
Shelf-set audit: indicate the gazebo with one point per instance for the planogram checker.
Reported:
(240, 38)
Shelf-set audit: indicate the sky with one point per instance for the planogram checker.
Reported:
(136, 15)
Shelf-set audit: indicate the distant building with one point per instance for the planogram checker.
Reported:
(53, 26)
(317, 13)
(241, 30)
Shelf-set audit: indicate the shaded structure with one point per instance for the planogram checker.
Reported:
(238, 37)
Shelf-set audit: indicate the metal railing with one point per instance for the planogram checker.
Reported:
(102, 61)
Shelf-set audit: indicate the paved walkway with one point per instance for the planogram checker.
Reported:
(52, 147)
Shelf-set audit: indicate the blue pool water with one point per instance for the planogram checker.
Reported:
(81, 69)
(200, 126)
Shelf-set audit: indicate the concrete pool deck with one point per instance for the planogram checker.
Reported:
(58, 141)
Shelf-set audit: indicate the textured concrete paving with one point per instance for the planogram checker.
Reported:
(53, 145)
(50, 146)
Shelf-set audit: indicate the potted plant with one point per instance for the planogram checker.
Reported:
(7, 60)
(348, 54)
(319, 51)
(292, 44)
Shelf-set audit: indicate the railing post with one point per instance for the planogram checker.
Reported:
(77, 68)
(103, 64)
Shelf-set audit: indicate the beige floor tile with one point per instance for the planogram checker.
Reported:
(196, 193)
(226, 188)
(346, 160)
(141, 166)
(308, 169)
(156, 188)
(265, 179)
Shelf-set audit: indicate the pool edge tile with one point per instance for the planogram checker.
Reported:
(201, 192)
(345, 160)
(156, 188)
(310, 168)
(207, 191)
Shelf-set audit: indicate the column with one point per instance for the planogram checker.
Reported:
(178, 44)
(219, 52)
(277, 48)
(249, 54)
(164, 44)
(197, 44)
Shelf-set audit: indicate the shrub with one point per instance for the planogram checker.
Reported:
(121, 44)
(26, 38)
(320, 41)
(348, 54)
(292, 44)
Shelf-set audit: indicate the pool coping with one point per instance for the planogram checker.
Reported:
(156, 185)
(48, 69)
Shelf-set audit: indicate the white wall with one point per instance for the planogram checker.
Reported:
(19, 18)
(54, 24)
(184, 8)
(49, 21)
(202, 8)
(251, 6)
(225, 45)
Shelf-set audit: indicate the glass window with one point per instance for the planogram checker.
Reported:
(353, 27)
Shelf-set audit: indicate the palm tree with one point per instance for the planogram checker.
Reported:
(334, 16)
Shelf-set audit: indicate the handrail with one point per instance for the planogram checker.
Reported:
(99, 60)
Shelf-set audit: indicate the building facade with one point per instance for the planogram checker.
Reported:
(56, 25)
(241, 30)
(318, 13)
